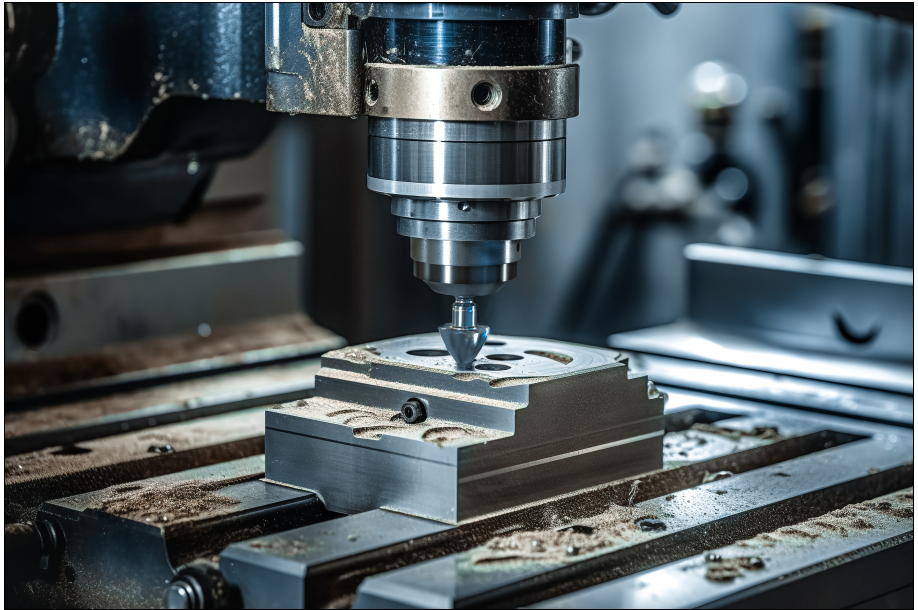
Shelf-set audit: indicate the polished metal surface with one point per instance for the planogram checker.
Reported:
(694, 341)
(466, 191)
(284, 566)
(467, 131)
(466, 231)
(535, 356)
(466, 211)
(477, 281)
(436, 93)
(472, 11)
(464, 253)
(482, 163)
(850, 309)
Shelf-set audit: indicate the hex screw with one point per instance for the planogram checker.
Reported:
(180, 595)
(414, 410)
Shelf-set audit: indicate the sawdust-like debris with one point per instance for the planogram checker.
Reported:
(614, 527)
(165, 502)
(769, 433)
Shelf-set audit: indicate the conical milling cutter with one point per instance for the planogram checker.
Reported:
(463, 338)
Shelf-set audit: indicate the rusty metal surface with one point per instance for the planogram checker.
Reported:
(445, 93)
(312, 70)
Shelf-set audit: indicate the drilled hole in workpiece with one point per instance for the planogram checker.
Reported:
(429, 353)
(492, 367)
(495, 343)
(504, 357)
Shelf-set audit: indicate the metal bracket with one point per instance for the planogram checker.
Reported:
(312, 70)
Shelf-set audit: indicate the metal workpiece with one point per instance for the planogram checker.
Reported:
(439, 93)
(464, 338)
(525, 420)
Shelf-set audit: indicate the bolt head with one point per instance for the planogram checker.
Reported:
(179, 596)
(414, 411)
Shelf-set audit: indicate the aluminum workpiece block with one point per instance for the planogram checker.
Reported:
(531, 419)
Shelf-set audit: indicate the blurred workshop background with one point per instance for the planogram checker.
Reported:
(784, 127)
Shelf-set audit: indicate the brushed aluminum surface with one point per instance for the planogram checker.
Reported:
(466, 211)
(484, 163)
(467, 191)
(468, 131)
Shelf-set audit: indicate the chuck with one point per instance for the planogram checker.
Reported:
(468, 106)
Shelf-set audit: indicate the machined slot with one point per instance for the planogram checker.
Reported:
(58, 472)
(694, 519)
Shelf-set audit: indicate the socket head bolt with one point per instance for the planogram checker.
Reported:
(180, 595)
(414, 411)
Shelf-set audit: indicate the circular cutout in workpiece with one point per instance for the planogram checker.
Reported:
(495, 343)
(504, 357)
(492, 367)
(429, 353)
